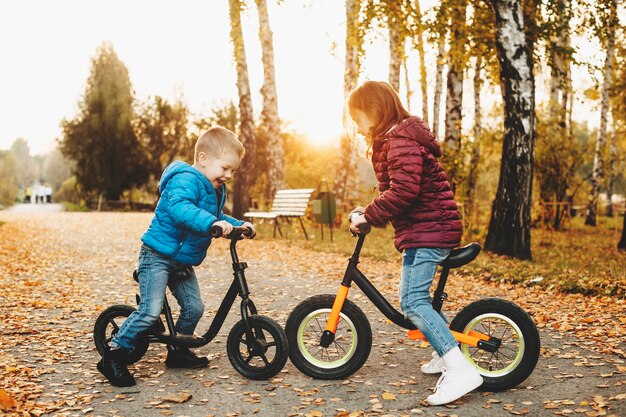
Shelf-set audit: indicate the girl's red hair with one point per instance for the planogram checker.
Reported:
(381, 103)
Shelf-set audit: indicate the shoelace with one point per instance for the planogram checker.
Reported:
(434, 362)
(442, 379)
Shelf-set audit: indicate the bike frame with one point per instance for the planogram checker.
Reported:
(238, 287)
(353, 275)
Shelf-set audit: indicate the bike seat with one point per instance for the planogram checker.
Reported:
(462, 256)
(178, 274)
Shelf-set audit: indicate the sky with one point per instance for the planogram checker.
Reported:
(173, 48)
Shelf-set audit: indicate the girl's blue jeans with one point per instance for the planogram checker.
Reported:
(154, 277)
(419, 266)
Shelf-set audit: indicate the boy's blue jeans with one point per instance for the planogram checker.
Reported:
(419, 266)
(154, 277)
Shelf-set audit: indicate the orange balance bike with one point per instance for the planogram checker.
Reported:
(330, 337)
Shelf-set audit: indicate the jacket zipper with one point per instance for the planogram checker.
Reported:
(180, 244)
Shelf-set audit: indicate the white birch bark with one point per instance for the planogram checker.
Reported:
(422, 58)
(472, 175)
(243, 181)
(396, 52)
(452, 159)
(441, 61)
(270, 122)
(598, 162)
(346, 178)
(509, 227)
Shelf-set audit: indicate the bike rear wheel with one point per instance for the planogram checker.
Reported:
(516, 357)
(348, 351)
(108, 324)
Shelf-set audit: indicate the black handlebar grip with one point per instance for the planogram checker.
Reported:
(365, 228)
(216, 231)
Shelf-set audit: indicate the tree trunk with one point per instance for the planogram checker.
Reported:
(598, 162)
(241, 192)
(441, 57)
(509, 227)
(452, 158)
(396, 44)
(472, 174)
(407, 84)
(347, 169)
(610, 178)
(270, 122)
(621, 245)
(422, 57)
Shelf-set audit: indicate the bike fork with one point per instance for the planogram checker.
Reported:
(328, 336)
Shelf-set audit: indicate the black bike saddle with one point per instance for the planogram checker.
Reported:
(178, 274)
(462, 256)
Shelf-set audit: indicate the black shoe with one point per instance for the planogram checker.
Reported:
(113, 367)
(184, 358)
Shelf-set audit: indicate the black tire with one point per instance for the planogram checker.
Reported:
(347, 353)
(108, 324)
(516, 357)
(271, 348)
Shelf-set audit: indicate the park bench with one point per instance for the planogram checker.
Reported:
(287, 204)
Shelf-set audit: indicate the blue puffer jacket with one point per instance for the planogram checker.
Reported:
(187, 209)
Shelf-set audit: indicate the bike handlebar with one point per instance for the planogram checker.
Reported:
(365, 228)
(238, 231)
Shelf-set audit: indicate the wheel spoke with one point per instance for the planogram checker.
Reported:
(114, 324)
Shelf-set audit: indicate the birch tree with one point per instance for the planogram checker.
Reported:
(418, 41)
(270, 122)
(608, 37)
(452, 158)
(347, 169)
(397, 37)
(485, 66)
(509, 227)
(244, 178)
(441, 62)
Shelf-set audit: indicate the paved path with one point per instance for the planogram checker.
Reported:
(76, 264)
(35, 208)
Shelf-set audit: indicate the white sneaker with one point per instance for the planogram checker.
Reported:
(434, 366)
(452, 385)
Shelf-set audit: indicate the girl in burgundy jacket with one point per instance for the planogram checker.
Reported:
(416, 198)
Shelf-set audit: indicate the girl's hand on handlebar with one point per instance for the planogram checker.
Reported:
(225, 226)
(358, 224)
(252, 232)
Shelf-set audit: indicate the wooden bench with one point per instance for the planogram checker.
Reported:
(287, 204)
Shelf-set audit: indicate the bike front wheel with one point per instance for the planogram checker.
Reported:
(262, 357)
(519, 343)
(348, 351)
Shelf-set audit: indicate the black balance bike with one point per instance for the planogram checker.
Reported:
(256, 346)
(330, 337)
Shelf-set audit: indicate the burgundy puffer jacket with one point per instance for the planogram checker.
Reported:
(415, 195)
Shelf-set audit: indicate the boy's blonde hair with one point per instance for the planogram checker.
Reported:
(217, 141)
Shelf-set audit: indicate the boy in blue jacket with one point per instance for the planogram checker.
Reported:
(192, 199)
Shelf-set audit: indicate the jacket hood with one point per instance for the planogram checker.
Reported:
(178, 167)
(415, 129)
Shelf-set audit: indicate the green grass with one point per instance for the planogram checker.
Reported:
(69, 206)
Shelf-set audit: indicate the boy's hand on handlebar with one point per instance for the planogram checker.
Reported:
(250, 226)
(225, 226)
